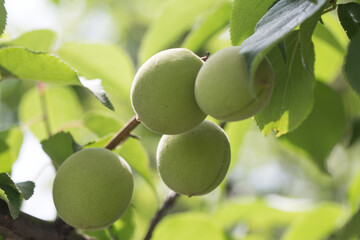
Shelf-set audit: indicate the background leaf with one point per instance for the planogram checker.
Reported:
(37, 41)
(352, 63)
(236, 132)
(134, 153)
(110, 63)
(350, 230)
(215, 20)
(317, 224)
(3, 15)
(292, 97)
(256, 214)
(349, 16)
(283, 17)
(176, 18)
(187, 225)
(323, 128)
(59, 147)
(330, 43)
(10, 143)
(244, 16)
(63, 110)
(102, 123)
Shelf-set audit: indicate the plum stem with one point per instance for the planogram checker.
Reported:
(169, 202)
(204, 58)
(123, 134)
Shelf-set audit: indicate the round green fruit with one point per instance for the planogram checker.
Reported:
(222, 87)
(162, 93)
(92, 188)
(195, 162)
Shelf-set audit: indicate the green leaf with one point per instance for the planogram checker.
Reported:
(307, 48)
(9, 148)
(59, 147)
(134, 153)
(352, 63)
(292, 97)
(38, 40)
(236, 132)
(182, 226)
(110, 63)
(323, 128)
(98, 91)
(282, 48)
(26, 189)
(10, 194)
(125, 227)
(353, 191)
(215, 20)
(329, 49)
(257, 214)
(176, 18)
(102, 123)
(100, 143)
(3, 15)
(6, 117)
(349, 16)
(244, 16)
(63, 110)
(282, 18)
(28, 65)
(350, 231)
(317, 224)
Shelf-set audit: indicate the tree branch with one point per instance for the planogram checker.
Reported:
(169, 202)
(123, 134)
(28, 227)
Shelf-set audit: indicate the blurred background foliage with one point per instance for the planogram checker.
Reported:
(303, 185)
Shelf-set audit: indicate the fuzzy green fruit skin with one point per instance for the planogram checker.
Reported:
(92, 188)
(162, 93)
(195, 162)
(222, 88)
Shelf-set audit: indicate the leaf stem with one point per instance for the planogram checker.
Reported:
(41, 89)
(123, 134)
(169, 202)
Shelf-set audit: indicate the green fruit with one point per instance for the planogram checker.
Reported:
(195, 162)
(92, 188)
(162, 94)
(222, 87)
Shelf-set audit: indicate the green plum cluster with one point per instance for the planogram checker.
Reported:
(172, 94)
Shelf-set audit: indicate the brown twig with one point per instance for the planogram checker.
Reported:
(123, 134)
(169, 202)
(28, 227)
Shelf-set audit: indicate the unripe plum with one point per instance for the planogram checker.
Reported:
(92, 188)
(162, 93)
(222, 88)
(195, 162)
